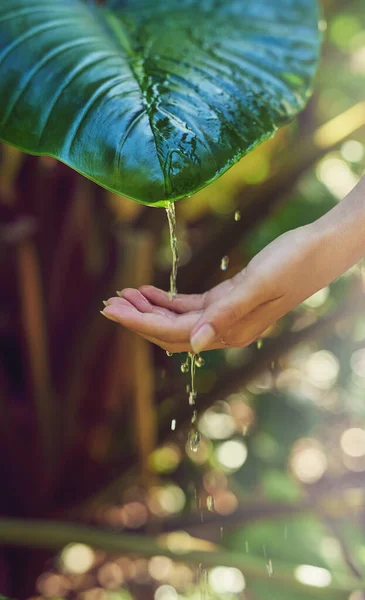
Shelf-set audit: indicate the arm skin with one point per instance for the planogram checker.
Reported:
(236, 312)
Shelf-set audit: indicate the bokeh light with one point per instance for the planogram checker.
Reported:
(315, 576)
(77, 558)
(353, 442)
(318, 299)
(232, 455)
(166, 592)
(352, 150)
(308, 461)
(110, 576)
(226, 579)
(322, 368)
(160, 567)
(51, 585)
(337, 176)
(216, 425)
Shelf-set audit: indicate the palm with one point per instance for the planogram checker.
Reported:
(163, 320)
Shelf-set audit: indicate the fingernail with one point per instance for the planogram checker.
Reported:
(119, 294)
(202, 338)
(108, 316)
(105, 303)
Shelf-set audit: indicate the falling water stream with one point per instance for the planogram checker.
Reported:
(192, 361)
(189, 366)
(171, 217)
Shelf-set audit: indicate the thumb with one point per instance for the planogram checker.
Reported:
(221, 316)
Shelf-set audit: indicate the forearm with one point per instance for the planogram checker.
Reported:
(341, 233)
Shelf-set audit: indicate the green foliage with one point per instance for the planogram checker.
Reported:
(152, 100)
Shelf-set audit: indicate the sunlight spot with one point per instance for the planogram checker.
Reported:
(226, 579)
(172, 499)
(337, 176)
(352, 151)
(317, 299)
(357, 61)
(353, 442)
(77, 558)
(166, 592)
(216, 425)
(308, 462)
(315, 576)
(322, 368)
(357, 362)
(232, 455)
(160, 567)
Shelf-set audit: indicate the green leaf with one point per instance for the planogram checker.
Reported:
(152, 99)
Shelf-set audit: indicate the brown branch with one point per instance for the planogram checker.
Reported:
(37, 353)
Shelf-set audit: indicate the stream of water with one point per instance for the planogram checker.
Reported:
(171, 217)
(192, 361)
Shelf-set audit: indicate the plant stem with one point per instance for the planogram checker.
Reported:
(55, 535)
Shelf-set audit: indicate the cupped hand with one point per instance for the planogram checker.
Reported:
(237, 311)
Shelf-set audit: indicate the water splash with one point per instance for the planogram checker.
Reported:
(194, 440)
(224, 263)
(171, 217)
(199, 361)
(270, 568)
(185, 367)
(210, 503)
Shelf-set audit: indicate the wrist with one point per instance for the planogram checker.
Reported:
(340, 233)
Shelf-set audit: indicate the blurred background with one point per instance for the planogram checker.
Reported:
(101, 497)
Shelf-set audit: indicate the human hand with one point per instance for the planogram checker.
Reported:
(237, 311)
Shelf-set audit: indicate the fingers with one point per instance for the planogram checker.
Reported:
(174, 329)
(137, 299)
(181, 303)
(220, 318)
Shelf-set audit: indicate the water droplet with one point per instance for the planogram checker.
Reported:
(187, 388)
(173, 424)
(184, 367)
(194, 440)
(272, 365)
(270, 568)
(210, 503)
(224, 263)
(247, 547)
(194, 416)
(199, 361)
(259, 344)
(168, 353)
(237, 215)
(192, 397)
(221, 533)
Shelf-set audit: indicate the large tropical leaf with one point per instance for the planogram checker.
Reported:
(152, 99)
